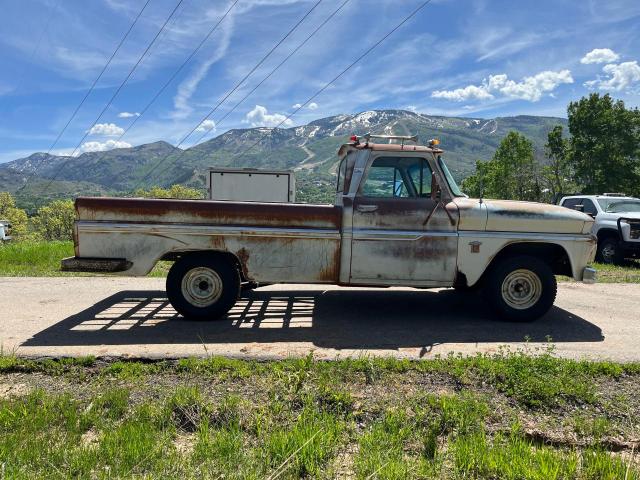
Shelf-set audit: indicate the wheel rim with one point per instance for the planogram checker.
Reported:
(608, 252)
(521, 289)
(202, 286)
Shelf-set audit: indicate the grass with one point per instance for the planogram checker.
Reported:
(42, 259)
(627, 273)
(512, 415)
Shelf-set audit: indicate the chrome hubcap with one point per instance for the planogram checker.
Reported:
(521, 289)
(201, 287)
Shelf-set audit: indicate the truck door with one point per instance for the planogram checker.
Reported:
(398, 238)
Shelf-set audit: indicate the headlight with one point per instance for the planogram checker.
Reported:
(587, 227)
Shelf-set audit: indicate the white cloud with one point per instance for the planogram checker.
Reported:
(103, 146)
(312, 106)
(530, 88)
(106, 129)
(206, 126)
(411, 108)
(128, 114)
(461, 94)
(297, 106)
(260, 117)
(188, 87)
(600, 55)
(620, 76)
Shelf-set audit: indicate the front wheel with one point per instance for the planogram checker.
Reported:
(609, 251)
(203, 287)
(521, 288)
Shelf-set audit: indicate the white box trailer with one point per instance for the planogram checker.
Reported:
(251, 185)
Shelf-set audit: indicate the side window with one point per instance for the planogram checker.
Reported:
(571, 202)
(384, 181)
(589, 207)
(399, 177)
(420, 175)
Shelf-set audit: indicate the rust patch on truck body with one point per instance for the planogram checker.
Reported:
(287, 215)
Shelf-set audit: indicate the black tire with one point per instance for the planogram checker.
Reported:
(203, 286)
(520, 288)
(609, 251)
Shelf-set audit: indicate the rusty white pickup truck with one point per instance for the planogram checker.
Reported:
(399, 219)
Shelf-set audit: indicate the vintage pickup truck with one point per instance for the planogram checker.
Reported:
(399, 219)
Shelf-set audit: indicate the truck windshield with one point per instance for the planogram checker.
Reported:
(619, 205)
(453, 186)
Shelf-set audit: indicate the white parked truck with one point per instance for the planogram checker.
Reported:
(399, 219)
(617, 224)
(251, 185)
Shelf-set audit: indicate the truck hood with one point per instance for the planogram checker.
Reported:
(615, 216)
(515, 216)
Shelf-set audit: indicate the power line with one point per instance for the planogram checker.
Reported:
(86, 95)
(176, 73)
(337, 77)
(237, 85)
(304, 42)
(133, 69)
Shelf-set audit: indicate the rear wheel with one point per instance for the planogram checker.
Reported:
(609, 251)
(203, 287)
(520, 288)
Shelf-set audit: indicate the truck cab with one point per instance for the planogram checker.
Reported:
(399, 219)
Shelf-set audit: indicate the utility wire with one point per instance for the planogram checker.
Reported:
(175, 74)
(304, 42)
(86, 95)
(337, 77)
(327, 85)
(133, 69)
(237, 85)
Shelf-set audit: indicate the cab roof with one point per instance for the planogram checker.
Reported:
(385, 147)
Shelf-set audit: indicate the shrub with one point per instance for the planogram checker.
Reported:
(55, 220)
(16, 216)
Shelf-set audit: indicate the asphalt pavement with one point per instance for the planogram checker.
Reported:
(131, 317)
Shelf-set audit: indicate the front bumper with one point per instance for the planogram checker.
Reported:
(589, 275)
(95, 265)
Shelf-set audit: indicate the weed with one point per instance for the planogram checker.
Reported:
(306, 447)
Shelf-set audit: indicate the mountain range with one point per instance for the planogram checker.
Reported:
(309, 149)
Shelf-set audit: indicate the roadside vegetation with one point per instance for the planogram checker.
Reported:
(599, 155)
(510, 415)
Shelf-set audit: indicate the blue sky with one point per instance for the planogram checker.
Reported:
(477, 58)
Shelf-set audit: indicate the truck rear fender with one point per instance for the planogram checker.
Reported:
(239, 259)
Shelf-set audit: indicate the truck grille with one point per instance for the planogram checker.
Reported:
(634, 234)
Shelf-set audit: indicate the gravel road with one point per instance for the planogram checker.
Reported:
(129, 317)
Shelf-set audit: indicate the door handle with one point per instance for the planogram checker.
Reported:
(367, 208)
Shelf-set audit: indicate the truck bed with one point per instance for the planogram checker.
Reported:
(271, 242)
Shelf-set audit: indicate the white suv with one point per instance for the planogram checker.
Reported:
(617, 224)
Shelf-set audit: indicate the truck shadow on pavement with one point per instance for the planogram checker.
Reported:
(340, 319)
